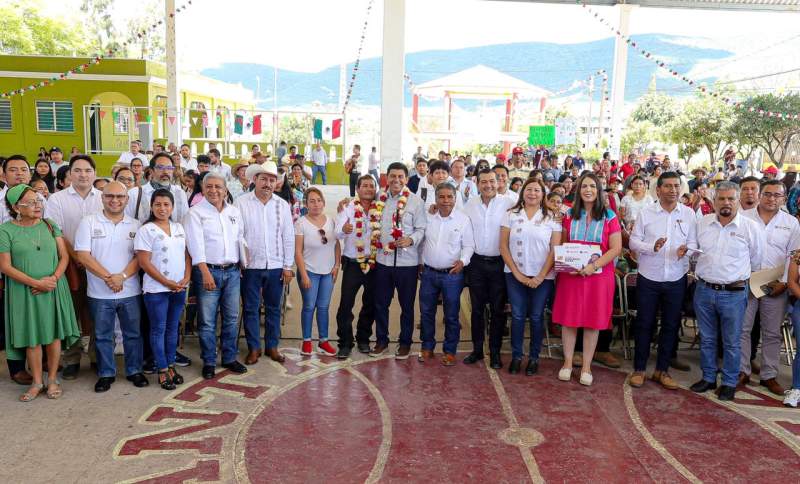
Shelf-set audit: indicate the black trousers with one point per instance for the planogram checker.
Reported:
(353, 279)
(14, 366)
(487, 285)
(354, 175)
(653, 295)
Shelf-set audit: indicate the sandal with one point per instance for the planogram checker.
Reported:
(174, 375)
(54, 394)
(29, 396)
(165, 381)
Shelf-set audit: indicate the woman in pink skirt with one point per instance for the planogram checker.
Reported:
(584, 299)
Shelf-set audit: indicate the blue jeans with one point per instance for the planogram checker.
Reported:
(225, 296)
(164, 310)
(723, 310)
(527, 303)
(258, 284)
(387, 279)
(104, 312)
(795, 315)
(317, 297)
(449, 286)
(322, 170)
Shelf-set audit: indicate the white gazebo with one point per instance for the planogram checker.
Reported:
(477, 83)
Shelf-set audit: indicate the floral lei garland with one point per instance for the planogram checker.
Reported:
(397, 228)
(366, 263)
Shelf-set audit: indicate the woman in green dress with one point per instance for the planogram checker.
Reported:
(38, 307)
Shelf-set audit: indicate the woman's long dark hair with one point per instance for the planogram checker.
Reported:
(520, 205)
(198, 186)
(286, 192)
(61, 176)
(598, 209)
(49, 179)
(160, 192)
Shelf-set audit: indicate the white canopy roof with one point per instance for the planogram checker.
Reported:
(480, 82)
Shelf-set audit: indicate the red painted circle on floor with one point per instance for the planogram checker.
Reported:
(447, 424)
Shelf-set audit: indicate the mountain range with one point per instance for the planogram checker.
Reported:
(552, 66)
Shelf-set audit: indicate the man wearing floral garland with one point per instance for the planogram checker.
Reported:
(354, 229)
(402, 228)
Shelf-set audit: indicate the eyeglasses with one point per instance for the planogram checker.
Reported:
(322, 234)
(35, 203)
(772, 195)
(111, 196)
(125, 179)
(164, 167)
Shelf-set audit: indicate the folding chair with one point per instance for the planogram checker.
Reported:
(787, 329)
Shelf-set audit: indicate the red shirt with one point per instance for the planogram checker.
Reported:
(626, 169)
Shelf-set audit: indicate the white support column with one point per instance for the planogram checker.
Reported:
(392, 89)
(173, 95)
(618, 79)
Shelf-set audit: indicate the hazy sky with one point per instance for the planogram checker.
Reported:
(309, 35)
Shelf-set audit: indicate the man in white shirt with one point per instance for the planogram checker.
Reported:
(465, 187)
(502, 183)
(374, 164)
(320, 159)
(67, 208)
(354, 230)
(135, 152)
(731, 248)
(782, 233)
(213, 232)
(104, 245)
(138, 203)
(187, 162)
(487, 283)
(447, 249)
(269, 239)
(57, 159)
(662, 235)
(217, 166)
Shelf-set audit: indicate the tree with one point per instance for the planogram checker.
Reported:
(23, 31)
(107, 35)
(637, 136)
(773, 134)
(704, 121)
(659, 110)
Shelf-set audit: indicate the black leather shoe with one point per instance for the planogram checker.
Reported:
(208, 372)
(71, 372)
(103, 384)
(149, 367)
(138, 380)
(473, 358)
(344, 352)
(364, 348)
(182, 360)
(513, 368)
(726, 392)
(495, 361)
(703, 386)
(532, 368)
(235, 367)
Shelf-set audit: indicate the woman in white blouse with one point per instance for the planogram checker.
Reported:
(528, 234)
(634, 202)
(160, 246)
(317, 256)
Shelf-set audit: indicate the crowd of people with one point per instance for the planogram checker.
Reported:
(89, 261)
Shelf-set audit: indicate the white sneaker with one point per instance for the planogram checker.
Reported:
(565, 374)
(586, 379)
(119, 349)
(792, 398)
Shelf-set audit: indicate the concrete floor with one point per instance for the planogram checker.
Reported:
(316, 418)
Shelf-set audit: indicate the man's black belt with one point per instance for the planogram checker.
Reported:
(440, 271)
(733, 286)
(220, 267)
(488, 258)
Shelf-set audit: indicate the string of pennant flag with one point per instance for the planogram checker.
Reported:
(94, 60)
(354, 75)
(677, 75)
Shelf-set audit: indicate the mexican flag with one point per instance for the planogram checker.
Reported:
(327, 129)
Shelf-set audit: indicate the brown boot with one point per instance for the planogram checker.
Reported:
(665, 380)
(772, 385)
(22, 378)
(252, 357)
(637, 379)
(744, 379)
(607, 359)
(425, 355)
(274, 355)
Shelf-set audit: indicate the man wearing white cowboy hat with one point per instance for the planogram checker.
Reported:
(269, 240)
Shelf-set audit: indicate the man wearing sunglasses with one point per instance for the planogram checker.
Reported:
(138, 205)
